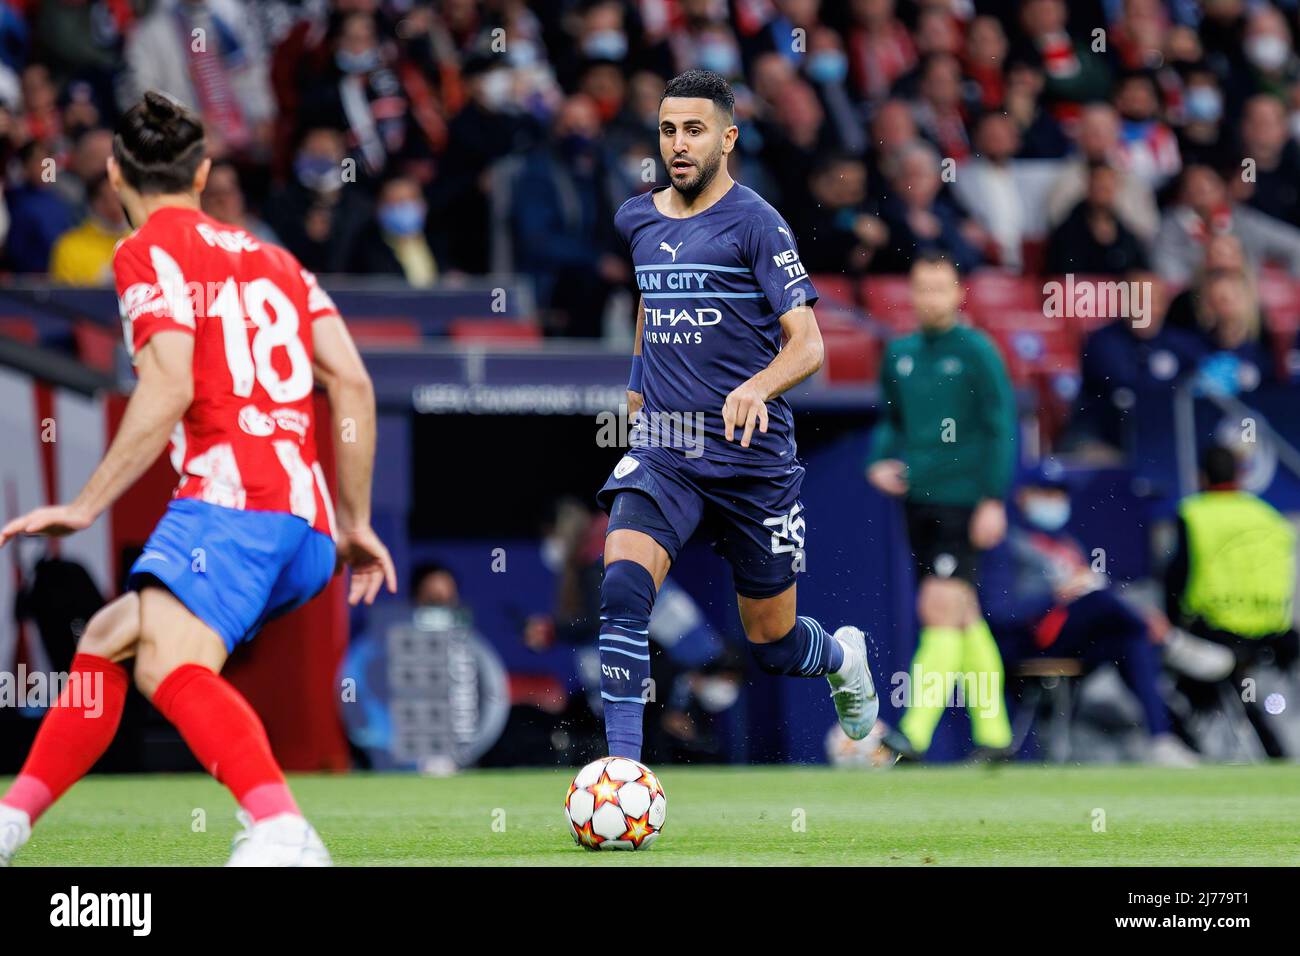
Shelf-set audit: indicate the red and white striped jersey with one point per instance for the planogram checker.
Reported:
(247, 440)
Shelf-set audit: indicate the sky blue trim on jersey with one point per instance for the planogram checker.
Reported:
(739, 270)
(703, 295)
(624, 640)
(615, 650)
(622, 627)
(621, 700)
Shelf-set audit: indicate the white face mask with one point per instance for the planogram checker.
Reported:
(497, 88)
(1048, 514)
(1268, 52)
(716, 694)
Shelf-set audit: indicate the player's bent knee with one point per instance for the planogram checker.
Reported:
(114, 630)
(627, 591)
(944, 602)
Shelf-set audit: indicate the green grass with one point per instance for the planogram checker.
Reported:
(916, 816)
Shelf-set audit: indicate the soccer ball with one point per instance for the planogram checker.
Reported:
(615, 803)
(869, 752)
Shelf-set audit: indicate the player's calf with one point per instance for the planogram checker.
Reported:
(79, 727)
(627, 596)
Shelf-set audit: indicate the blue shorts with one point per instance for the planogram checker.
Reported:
(751, 514)
(234, 570)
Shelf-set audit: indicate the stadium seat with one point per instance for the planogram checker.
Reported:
(990, 293)
(1032, 343)
(96, 345)
(1279, 295)
(837, 290)
(20, 329)
(471, 331)
(888, 300)
(852, 355)
(384, 332)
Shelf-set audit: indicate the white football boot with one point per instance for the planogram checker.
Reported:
(283, 840)
(852, 690)
(15, 830)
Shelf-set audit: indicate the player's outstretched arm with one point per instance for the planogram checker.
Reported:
(161, 396)
(339, 369)
(800, 356)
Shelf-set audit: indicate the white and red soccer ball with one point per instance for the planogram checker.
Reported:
(615, 803)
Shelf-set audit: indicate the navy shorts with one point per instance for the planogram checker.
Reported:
(751, 514)
(234, 570)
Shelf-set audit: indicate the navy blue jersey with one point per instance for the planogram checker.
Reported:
(714, 286)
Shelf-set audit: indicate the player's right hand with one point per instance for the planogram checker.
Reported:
(889, 475)
(634, 402)
(53, 521)
(371, 565)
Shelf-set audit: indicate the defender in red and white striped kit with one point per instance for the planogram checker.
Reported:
(229, 337)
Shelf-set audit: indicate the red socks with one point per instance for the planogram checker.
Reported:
(227, 737)
(74, 734)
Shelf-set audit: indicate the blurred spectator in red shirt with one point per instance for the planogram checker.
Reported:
(880, 48)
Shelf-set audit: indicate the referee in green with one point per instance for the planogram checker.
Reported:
(945, 447)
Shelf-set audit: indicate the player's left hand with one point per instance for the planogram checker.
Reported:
(54, 521)
(744, 407)
(988, 525)
(371, 565)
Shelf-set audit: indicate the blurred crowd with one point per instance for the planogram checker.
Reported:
(421, 139)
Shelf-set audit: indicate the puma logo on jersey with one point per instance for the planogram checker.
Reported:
(671, 250)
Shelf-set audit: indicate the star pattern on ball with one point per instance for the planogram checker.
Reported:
(638, 828)
(604, 791)
(587, 836)
(651, 783)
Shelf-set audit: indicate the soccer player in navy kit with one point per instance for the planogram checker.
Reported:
(725, 327)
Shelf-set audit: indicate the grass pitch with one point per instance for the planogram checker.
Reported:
(974, 816)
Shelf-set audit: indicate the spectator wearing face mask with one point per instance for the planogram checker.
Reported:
(490, 126)
(562, 221)
(320, 210)
(1201, 137)
(1273, 64)
(393, 242)
(363, 91)
(827, 68)
(1044, 599)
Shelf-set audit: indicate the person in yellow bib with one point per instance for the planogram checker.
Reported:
(1232, 578)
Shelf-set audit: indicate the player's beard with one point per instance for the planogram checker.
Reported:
(707, 170)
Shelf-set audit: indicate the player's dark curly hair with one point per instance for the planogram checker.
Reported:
(705, 85)
(158, 144)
